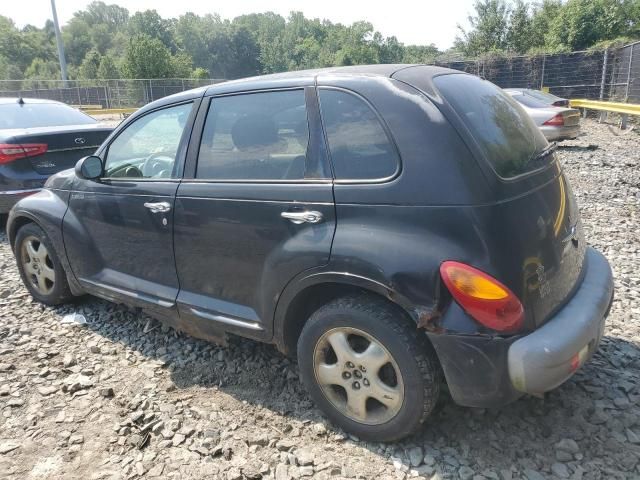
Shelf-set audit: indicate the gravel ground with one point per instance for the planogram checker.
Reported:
(123, 397)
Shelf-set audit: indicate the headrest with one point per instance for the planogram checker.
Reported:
(253, 131)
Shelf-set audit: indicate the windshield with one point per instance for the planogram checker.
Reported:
(30, 115)
(506, 135)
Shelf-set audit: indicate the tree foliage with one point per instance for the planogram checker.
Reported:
(106, 41)
(550, 26)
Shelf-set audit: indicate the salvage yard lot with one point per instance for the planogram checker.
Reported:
(124, 397)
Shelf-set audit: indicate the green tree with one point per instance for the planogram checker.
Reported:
(488, 30)
(108, 68)
(200, 73)
(518, 38)
(90, 65)
(147, 57)
(181, 65)
(151, 24)
(8, 70)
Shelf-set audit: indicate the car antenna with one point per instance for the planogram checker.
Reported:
(20, 101)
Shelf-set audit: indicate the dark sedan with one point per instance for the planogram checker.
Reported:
(39, 138)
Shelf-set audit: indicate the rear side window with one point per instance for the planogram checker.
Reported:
(30, 115)
(360, 148)
(506, 134)
(256, 136)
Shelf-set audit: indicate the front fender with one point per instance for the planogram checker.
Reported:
(46, 209)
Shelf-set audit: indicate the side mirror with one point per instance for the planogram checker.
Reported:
(89, 168)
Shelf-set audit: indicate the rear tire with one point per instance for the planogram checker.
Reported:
(40, 267)
(368, 368)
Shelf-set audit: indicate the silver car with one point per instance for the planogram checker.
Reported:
(556, 123)
(544, 97)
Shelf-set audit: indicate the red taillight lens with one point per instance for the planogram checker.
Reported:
(13, 151)
(483, 297)
(556, 121)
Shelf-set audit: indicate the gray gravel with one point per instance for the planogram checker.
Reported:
(123, 397)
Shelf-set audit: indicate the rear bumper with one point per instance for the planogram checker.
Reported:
(560, 133)
(8, 198)
(546, 358)
(486, 371)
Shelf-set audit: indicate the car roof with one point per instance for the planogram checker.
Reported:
(16, 100)
(297, 78)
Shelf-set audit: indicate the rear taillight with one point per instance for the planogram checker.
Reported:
(556, 121)
(13, 151)
(483, 297)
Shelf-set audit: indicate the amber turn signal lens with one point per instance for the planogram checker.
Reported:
(483, 297)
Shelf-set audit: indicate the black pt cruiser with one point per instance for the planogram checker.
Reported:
(390, 224)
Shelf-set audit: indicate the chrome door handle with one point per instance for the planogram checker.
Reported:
(158, 207)
(307, 216)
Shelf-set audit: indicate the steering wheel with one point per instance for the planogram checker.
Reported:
(157, 164)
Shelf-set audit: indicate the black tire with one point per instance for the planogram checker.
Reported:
(59, 288)
(411, 352)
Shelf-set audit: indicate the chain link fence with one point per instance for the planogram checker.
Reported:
(119, 93)
(612, 74)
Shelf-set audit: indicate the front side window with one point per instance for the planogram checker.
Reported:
(255, 136)
(360, 148)
(148, 147)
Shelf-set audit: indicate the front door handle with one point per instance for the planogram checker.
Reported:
(158, 207)
(306, 216)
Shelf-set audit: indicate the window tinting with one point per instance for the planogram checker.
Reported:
(360, 148)
(506, 134)
(147, 148)
(257, 136)
(30, 115)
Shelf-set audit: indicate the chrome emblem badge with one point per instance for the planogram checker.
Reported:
(80, 140)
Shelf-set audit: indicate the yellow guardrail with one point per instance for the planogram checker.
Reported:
(110, 111)
(616, 107)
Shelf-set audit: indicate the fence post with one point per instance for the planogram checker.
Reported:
(604, 73)
(544, 60)
(626, 93)
(603, 115)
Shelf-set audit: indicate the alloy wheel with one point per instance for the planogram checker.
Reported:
(37, 264)
(358, 375)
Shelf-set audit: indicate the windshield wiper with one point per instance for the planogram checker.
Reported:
(546, 151)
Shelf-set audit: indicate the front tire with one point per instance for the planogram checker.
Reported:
(368, 368)
(40, 267)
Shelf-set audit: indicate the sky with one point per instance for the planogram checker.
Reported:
(411, 21)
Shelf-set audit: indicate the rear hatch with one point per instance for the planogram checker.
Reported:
(537, 243)
(65, 145)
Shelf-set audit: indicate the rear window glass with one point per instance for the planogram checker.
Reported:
(507, 136)
(360, 148)
(30, 115)
(529, 101)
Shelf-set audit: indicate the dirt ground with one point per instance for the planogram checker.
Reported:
(124, 397)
